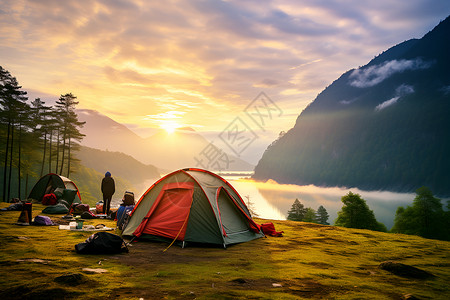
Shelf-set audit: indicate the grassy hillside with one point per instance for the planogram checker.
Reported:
(309, 261)
(89, 181)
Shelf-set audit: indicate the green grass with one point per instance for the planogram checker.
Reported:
(309, 261)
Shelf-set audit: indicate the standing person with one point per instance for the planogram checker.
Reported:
(108, 189)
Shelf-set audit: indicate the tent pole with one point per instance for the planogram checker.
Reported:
(187, 217)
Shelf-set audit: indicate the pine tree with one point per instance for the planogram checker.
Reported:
(12, 103)
(40, 118)
(70, 125)
(310, 216)
(322, 216)
(297, 211)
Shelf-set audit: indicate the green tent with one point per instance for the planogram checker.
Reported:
(192, 206)
(50, 182)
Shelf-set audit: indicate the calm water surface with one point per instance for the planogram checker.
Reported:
(270, 200)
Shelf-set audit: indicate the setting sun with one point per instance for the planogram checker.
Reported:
(169, 126)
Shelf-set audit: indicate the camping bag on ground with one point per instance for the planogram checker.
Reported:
(269, 229)
(79, 208)
(13, 207)
(49, 199)
(99, 207)
(64, 202)
(56, 209)
(102, 243)
(88, 215)
(43, 220)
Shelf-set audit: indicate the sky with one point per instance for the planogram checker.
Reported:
(200, 64)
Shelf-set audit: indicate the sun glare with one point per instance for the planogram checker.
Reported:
(169, 127)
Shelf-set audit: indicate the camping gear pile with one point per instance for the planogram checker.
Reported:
(188, 206)
(125, 209)
(55, 184)
(56, 191)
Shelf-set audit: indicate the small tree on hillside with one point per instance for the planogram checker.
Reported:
(322, 216)
(297, 211)
(356, 214)
(425, 217)
(310, 216)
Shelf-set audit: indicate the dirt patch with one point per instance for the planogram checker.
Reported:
(143, 252)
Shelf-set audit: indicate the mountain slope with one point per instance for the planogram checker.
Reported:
(384, 126)
(129, 174)
(117, 163)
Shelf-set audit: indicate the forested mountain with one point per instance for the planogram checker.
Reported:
(117, 163)
(383, 126)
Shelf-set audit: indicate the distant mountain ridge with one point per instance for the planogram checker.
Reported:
(168, 152)
(384, 126)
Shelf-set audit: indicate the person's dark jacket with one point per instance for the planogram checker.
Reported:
(108, 186)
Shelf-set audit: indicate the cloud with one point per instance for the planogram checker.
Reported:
(128, 58)
(400, 91)
(386, 103)
(373, 75)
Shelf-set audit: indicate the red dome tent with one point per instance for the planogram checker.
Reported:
(192, 206)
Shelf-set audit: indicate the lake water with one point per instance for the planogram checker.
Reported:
(270, 200)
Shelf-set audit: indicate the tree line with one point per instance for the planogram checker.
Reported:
(426, 216)
(299, 212)
(35, 138)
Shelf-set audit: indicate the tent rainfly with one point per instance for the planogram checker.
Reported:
(192, 206)
(48, 183)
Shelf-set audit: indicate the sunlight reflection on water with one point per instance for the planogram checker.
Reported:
(271, 200)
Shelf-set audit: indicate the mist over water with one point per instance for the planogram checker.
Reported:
(271, 200)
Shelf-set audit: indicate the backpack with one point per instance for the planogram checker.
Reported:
(49, 199)
(79, 208)
(102, 243)
(88, 215)
(123, 214)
